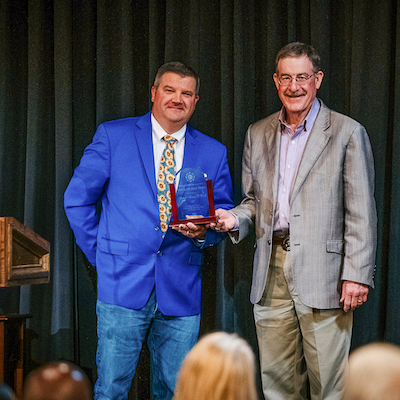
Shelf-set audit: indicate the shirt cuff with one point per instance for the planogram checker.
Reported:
(236, 226)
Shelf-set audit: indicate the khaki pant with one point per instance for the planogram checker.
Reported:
(303, 351)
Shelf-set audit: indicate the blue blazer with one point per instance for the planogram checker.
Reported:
(125, 241)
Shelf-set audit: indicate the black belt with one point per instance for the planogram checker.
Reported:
(283, 241)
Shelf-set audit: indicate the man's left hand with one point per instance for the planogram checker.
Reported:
(191, 230)
(354, 294)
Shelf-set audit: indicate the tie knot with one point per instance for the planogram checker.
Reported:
(169, 139)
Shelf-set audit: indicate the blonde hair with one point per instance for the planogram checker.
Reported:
(374, 373)
(220, 366)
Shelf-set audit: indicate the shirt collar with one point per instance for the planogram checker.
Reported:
(309, 120)
(159, 131)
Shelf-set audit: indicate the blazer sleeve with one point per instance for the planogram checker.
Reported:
(84, 191)
(245, 211)
(360, 235)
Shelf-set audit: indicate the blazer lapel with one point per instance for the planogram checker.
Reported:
(317, 141)
(145, 145)
(191, 150)
(271, 153)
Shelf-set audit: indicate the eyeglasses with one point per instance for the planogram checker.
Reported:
(301, 79)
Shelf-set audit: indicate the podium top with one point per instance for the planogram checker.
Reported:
(24, 255)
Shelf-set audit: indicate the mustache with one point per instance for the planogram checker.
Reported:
(297, 93)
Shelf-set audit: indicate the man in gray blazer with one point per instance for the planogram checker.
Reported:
(308, 184)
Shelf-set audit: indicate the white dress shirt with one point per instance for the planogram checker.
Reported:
(159, 145)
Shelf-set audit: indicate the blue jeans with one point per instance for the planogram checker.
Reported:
(121, 333)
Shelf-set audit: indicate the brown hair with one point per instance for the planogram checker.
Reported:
(298, 49)
(177, 68)
(57, 381)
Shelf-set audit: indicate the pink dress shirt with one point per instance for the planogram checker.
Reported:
(292, 147)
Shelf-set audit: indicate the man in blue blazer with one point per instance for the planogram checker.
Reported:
(149, 281)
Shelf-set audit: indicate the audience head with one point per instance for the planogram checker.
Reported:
(57, 381)
(6, 393)
(220, 366)
(374, 373)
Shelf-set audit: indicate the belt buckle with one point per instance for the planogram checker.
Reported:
(286, 243)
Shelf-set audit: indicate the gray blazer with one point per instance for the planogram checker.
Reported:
(332, 208)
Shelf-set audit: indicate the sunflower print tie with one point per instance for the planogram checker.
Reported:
(166, 175)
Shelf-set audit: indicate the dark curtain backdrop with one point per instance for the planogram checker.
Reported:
(67, 66)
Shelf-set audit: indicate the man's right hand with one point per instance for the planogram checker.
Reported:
(225, 221)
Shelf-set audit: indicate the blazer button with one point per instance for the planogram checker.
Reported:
(269, 242)
(159, 253)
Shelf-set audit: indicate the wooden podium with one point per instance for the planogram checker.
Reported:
(24, 260)
(24, 255)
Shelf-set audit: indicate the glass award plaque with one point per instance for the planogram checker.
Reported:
(194, 200)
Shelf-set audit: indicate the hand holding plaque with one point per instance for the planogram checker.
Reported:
(194, 200)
